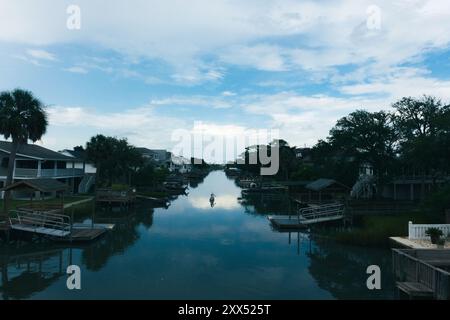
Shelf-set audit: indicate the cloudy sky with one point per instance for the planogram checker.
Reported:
(141, 69)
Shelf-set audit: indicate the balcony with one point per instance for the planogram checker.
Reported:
(48, 173)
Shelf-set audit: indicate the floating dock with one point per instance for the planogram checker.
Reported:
(110, 197)
(308, 216)
(55, 226)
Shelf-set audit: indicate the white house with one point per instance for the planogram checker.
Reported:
(36, 162)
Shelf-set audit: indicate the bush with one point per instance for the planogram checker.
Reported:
(437, 203)
(120, 187)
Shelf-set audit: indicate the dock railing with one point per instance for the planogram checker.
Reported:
(41, 220)
(416, 266)
(418, 231)
(322, 211)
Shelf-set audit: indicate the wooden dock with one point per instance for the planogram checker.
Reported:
(415, 290)
(84, 235)
(309, 216)
(56, 227)
(422, 273)
(110, 197)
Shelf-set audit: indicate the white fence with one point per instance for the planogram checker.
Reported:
(417, 231)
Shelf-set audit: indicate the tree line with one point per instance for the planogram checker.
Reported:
(413, 138)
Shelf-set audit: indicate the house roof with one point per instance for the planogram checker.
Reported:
(79, 155)
(34, 151)
(43, 185)
(321, 184)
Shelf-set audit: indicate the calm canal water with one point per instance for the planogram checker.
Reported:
(194, 251)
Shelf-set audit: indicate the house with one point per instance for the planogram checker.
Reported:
(35, 162)
(413, 188)
(80, 158)
(327, 189)
(304, 154)
(158, 157)
(165, 159)
(179, 164)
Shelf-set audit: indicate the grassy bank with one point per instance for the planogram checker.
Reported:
(13, 204)
(375, 230)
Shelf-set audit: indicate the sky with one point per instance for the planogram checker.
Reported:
(143, 69)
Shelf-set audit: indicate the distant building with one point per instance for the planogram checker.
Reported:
(179, 164)
(158, 157)
(303, 154)
(165, 159)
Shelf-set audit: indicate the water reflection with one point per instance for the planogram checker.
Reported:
(223, 201)
(24, 273)
(182, 252)
(342, 271)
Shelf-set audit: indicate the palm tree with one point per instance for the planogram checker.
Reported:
(22, 118)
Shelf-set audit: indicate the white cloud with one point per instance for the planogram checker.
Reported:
(76, 69)
(267, 35)
(261, 57)
(228, 93)
(194, 100)
(41, 54)
(140, 125)
(226, 202)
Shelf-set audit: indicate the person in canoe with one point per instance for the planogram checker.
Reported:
(212, 199)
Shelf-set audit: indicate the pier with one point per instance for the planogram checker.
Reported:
(110, 196)
(55, 226)
(308, 216)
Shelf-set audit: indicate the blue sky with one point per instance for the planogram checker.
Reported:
(142, 69)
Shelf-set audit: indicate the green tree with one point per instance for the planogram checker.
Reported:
(115, 159)
(424, 128)
(287, 158)
(22, 118)
(366, 137)
(360, 137)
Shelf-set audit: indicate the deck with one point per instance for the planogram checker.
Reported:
(415, 290)
(422, 273)
(56, 226)
(109, 196)
(83, 234)
(309, 216)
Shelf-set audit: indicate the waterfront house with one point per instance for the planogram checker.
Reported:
(327, 189)
(157, 157)
(165, 159)
(179, 164)
(80, 162)
(36, 162)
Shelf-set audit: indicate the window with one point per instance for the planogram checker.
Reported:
(5, 161)
(61, 165)
(27, 164)
(48, 164)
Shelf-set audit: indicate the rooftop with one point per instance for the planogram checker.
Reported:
(321, 184)
(34, 151)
